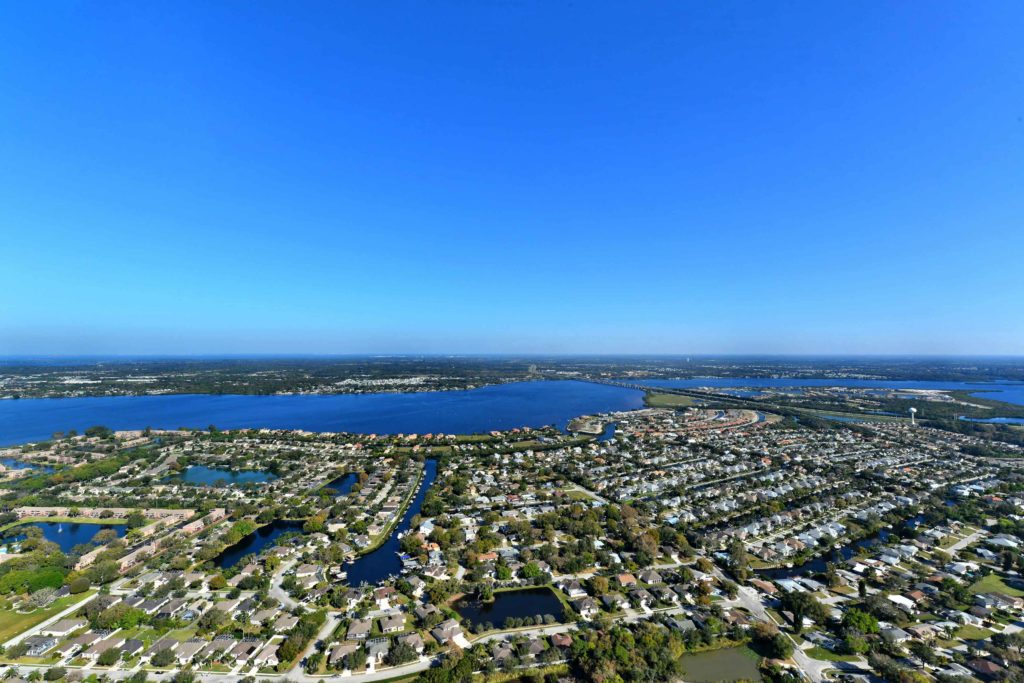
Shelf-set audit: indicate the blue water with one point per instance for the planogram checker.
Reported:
(255, 542)
(996, 420)
(845, 552)
(13, 464)
(503, 406)
(210, 476)
(609, 432)
(342, 486)
(384, 561)
(529, 602)
(67, 536)
(1011, 392)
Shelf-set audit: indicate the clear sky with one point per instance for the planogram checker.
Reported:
(510, 176)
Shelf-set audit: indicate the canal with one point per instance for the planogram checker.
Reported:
(385, 561)
(255, 542)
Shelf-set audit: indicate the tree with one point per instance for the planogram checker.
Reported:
(213, 619)
(530, 570)
(135, 520)
(855, 644)
(103, 572)
(600, 585)
(780, 647)
(163, 657)
(401, 653)
(860, 621)
(109, 657)
(803, 605)
(355, 660)
(79, 585)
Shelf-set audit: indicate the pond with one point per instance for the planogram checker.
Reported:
(69, 534)
(342, 486)
(210, 476)
(15, 464)
(727, 664)
(255, 542)
(511, 604)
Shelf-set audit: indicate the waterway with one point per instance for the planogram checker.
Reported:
(385, 561)
(840, 554)
(517, 604)
(502, 406)
(68, 535)
(254, 543)
(212, 476)
(996, 420)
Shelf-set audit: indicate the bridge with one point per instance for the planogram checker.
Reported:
(692, 393)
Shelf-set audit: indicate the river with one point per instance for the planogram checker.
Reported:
(501, 406)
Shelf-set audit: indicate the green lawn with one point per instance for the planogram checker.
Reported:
(654, 400)
(994, 584)
(12, 623)
(969, 632)
(824, 655)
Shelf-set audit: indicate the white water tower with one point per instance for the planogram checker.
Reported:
(913, 411)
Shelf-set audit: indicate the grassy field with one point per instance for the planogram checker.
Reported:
(993, 584)
(863, 417)
(655, 400)
(969, 632)
(824, 655)
(12, 623)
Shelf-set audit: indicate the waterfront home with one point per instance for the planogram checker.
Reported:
(392, 623)
(359, 629)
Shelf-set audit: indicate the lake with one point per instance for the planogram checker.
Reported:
(210, 476)
(517, 604)
(502, 406)
(255, 542)
(68, 535)
(383, 562)
(727, 664)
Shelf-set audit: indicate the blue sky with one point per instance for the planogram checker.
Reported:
(233, 177)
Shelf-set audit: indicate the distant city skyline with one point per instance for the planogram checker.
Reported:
(511, 178)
